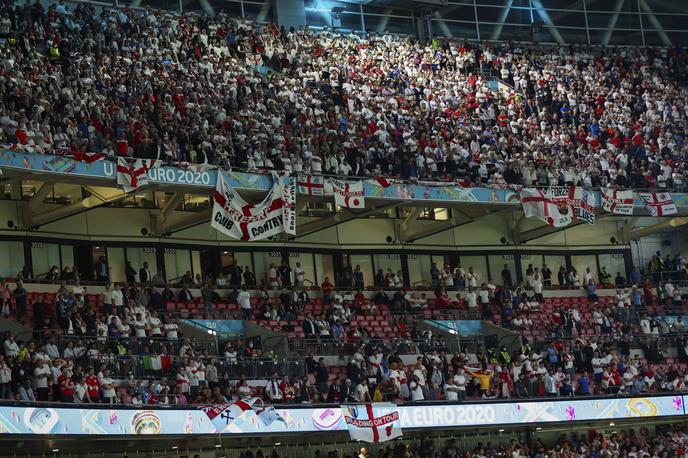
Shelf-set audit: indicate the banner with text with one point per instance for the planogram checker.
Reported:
(236, 218)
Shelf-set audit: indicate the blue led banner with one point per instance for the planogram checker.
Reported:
(235, 419)
(60, 165)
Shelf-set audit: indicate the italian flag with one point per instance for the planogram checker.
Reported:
(157, 363)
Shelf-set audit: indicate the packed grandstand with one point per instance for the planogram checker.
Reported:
(183, 88)
(237, 95)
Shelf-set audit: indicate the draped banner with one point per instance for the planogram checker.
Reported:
(236, 218)
(348, 194)
(659, 203)
(132, 175)
(617, 202)
(365, 425)
(558, 205)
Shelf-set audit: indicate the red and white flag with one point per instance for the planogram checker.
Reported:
(539, 205)
(131, 175)
(312, 185)
(617, 202)
(236, 218)
(659, 203)
(81, 156)
(348, 194)
(380, 181)
(372, 422)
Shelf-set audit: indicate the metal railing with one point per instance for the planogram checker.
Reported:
(145, 346)
(401, 345)
(139, 368)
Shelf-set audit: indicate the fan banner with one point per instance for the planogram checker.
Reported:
(372, 422)
(617, 202)
(541, 205)
(659, 203)
(348, 194)
(311, 185)
(133, 175)
(236, 218)
(558, 205)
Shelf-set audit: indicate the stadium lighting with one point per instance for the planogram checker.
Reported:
(611, 424)
(218, 445)
(55, 450)
(277, 443)
(501, 430)
(538, 428)
(174, 447)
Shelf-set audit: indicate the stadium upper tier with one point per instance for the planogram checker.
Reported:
(241, 95)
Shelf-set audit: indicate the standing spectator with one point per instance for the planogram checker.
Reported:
(20, 298)
(145, 274)
(506, 277)
(244, 300)
(299, 276)
(42, 376)
(66, 385)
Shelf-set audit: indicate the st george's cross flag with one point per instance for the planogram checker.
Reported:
(236, 218)
(348, 194)
(311, 185)
(659, 203)
(372, 422)
(538, 204)
(617, 202)
(132, 175)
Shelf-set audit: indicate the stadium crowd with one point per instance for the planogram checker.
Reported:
(130, 328)
(184, 88)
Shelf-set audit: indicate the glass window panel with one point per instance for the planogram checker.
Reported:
(519, 16)
(317, 19)
(583, 261)
(497, 263)
(391, 24)
(12, 259)
(177, 263)
(574, 35)
(611, 5)
(319, 4)
(230, 7)
(604, 21)
(324, 266)
(196, 262)
(526, 260)
(388, 262)
(625, 37)
(488, 14)
(6, 190)
(137, 256)
(554, 262)
(306, 261)
(463, 13)
(65, 194)
(460, 30)
(29, 188)
(44, 256)
(653, 39)
(568, 19)
(478, 264)
(419, 269)
(677, 22)
(365, 261)
(259, 12)
(679, 37)
(563, 4)
(664, 6)
(263, 259)
(350, 21)
(116, 263)
(67, 253)
(614, 263)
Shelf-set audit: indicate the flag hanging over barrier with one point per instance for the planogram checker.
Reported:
(558, 205)
(659, 203)
(367, 426)
(538, 204)
(312, 185)
(617, 202)
(132, 175)
(236, 218)
(348, 194)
